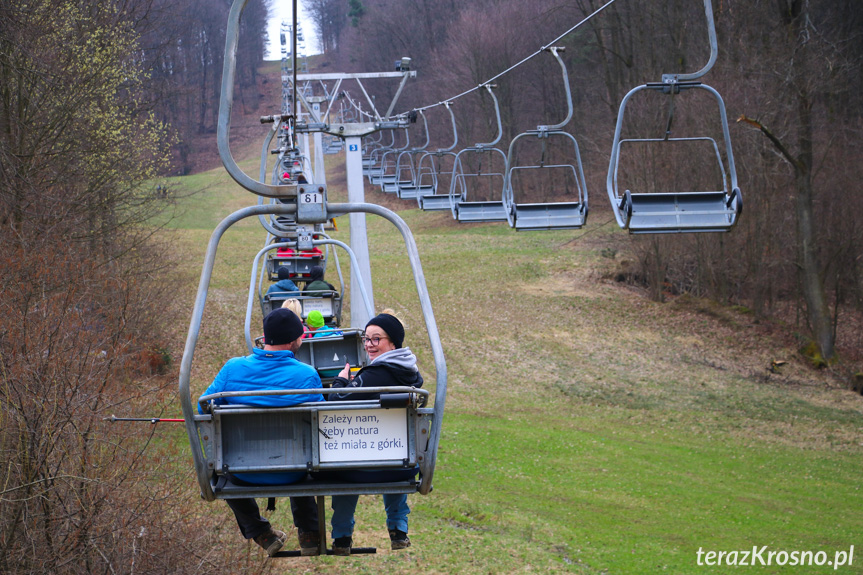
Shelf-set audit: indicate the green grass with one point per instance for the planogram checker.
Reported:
(588, 430)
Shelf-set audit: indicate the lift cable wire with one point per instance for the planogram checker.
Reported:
(514, 66)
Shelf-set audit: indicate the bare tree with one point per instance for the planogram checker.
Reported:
(82, 313)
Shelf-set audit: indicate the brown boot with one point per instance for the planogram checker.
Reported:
(272, 541)
(399, 539)
(310, 543)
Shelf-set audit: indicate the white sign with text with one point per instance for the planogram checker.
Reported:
(323, 305)
(362, 434)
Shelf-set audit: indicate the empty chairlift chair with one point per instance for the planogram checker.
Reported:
(408, 182)
(465, 182)
(566, 174)
(374, 161)
(714, 209)
(390, 176)
(432, 172)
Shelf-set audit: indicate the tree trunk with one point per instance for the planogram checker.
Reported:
(817, 310)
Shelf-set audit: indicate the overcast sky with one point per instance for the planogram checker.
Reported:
(281, 10)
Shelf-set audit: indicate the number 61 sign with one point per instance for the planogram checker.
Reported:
(311, 204)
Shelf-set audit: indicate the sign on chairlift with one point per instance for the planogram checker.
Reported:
(362, 435)
(321, 304)
(311, 197)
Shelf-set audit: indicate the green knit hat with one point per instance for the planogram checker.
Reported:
(315, 319)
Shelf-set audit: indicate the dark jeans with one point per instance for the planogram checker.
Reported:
(304, 510)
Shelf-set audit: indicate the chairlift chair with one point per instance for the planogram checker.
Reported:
(714, 210)
(408, 182)
(464, 209)
(390, 177)
(230, 439)
(431, 168)
(376, 156)
(370, 144)
(329, 303)
(434, 174)
(342, 344)
(299, 262)
(524, 215)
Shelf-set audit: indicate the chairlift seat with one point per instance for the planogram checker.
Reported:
(434, 202)
(409, 191)
(328, 303)
(299, 264)
(375, 176)
(312, 437)
(328, 355)
(681, 212)
(547, 216)
(481, 212)
(390, 185)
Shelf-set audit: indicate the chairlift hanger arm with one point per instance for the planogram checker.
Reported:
(714, 51)
(407, 137)
(554, 50)
(226, 103)
(491, 144)
(448, 106)
(428, 136)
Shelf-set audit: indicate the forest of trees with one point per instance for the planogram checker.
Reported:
(97, 101)
(790, 70)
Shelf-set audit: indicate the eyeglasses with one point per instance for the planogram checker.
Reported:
(374, 340)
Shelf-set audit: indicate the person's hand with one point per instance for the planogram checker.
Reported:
(346, 372)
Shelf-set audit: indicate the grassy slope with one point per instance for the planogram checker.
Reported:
(587, 429)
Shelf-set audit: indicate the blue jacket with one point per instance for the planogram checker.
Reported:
(283, 286)
(266, 370)
(326, 331)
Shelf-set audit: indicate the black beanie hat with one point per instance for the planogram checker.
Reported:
(282, 326)
(391, 325)
(284, 273)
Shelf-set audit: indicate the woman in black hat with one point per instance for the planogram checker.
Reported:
(390, 364)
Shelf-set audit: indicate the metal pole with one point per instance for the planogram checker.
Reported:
(294, 59)
(359, 237)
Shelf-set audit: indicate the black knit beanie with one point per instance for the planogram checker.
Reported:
(392, 326)
(282, 326)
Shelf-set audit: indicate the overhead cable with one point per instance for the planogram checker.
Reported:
(514, 66)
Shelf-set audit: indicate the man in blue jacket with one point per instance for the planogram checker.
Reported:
(285, 285)
(273, 367)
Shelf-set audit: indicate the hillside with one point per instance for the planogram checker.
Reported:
(588, 429)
